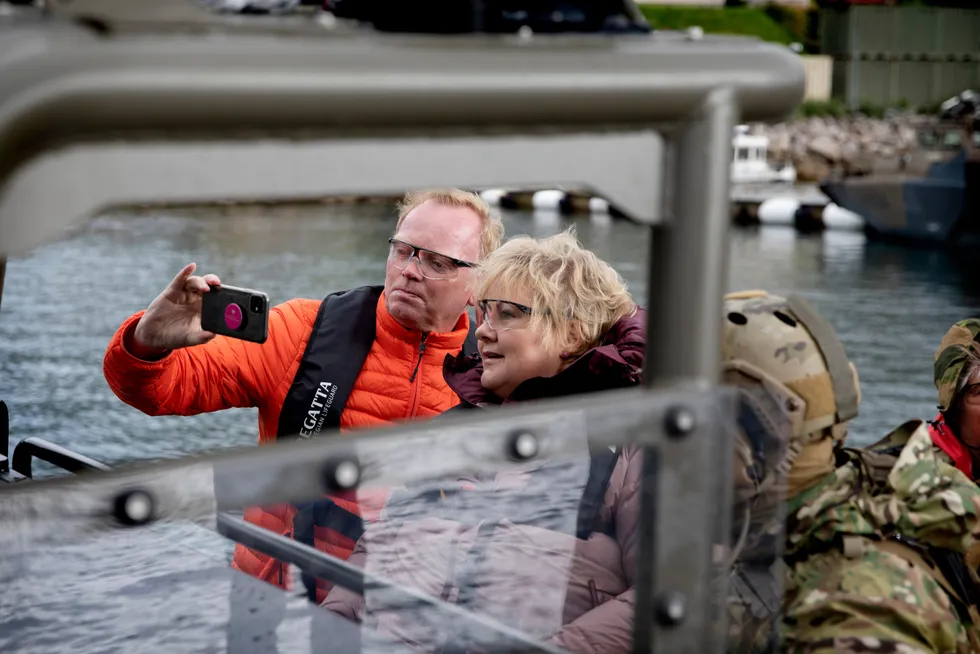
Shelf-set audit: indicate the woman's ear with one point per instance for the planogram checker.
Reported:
(573, 340)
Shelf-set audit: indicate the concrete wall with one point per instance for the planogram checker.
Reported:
(819, 76)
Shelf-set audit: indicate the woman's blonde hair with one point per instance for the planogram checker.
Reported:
(576, 297)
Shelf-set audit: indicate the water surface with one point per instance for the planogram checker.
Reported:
(62, 303)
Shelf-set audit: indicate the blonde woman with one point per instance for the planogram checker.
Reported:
(557, 321)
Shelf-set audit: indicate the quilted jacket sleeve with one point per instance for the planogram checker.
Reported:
(608, 628)
(220, 374)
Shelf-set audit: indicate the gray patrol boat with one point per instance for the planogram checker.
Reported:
(932, 198)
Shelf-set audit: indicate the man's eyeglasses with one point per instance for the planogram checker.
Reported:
(502, 315)
(432, 264)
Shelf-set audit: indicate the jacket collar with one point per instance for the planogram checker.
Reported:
(943, 437)
(616, 362)
(399, 340)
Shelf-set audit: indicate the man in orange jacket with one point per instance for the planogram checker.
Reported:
(359, 358)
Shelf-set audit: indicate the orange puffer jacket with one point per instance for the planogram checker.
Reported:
(227, 373)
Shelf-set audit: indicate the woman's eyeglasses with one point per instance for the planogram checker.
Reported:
(502, 315)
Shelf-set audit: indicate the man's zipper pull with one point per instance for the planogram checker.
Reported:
(421, 353)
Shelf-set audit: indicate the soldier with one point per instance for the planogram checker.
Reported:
(874, 542)
(955, 431)
(956, 371)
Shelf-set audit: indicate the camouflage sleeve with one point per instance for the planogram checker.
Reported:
(873, 601)
(932, 501)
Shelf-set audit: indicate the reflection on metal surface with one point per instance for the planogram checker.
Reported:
(235, 89)
(93, 177)
(482, 632)
(44, 514)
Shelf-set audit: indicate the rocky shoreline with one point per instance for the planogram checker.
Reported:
(821, 146)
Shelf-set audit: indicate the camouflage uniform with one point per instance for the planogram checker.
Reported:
(855, 573)
(854, 588)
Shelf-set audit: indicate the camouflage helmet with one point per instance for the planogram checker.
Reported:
(787, 348)
(949, 368)
(797, 392)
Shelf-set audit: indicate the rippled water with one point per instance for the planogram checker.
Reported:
(168, 589)
(62, 304)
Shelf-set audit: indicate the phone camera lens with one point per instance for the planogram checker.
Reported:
(256, 304)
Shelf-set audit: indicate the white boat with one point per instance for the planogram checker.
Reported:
(750, 163)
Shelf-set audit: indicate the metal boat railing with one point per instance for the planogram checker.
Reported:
(110, 103)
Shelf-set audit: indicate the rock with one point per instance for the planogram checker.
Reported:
(850, 152)
(811, 168)
(821, 145)
(779, 145)
(826, 147)
(907, 137)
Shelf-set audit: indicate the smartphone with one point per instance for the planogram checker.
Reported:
(236, 312)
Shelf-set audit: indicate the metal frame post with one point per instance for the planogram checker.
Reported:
(688, 266)
(689, 258)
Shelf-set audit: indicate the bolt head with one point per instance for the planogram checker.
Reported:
(671, 608)
(524, 445)
(342, 474)
(679, 421)
(347, 474)
(133, 508)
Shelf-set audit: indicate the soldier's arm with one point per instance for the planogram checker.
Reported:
(872, 602)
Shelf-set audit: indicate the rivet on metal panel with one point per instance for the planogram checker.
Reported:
(341, 474)
(679, 422)
(133, 508)
(523, 445)
(671, 608)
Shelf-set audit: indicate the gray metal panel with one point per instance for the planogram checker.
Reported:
(689, 262)
(955, 77)
(915, 30)
(959, 31)
(105, 593)
(222, 82)
(90, 177)
(874, 30)
(915, 82)
(63, 85)
(834, 32)
(687, 510)
(897, 32)
(875, 82)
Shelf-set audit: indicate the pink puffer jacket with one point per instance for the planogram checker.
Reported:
(566, 586)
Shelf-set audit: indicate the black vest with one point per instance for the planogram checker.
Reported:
(341, 339)
(339, 343)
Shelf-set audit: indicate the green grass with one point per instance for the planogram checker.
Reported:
(825, 109)
(746, 21)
